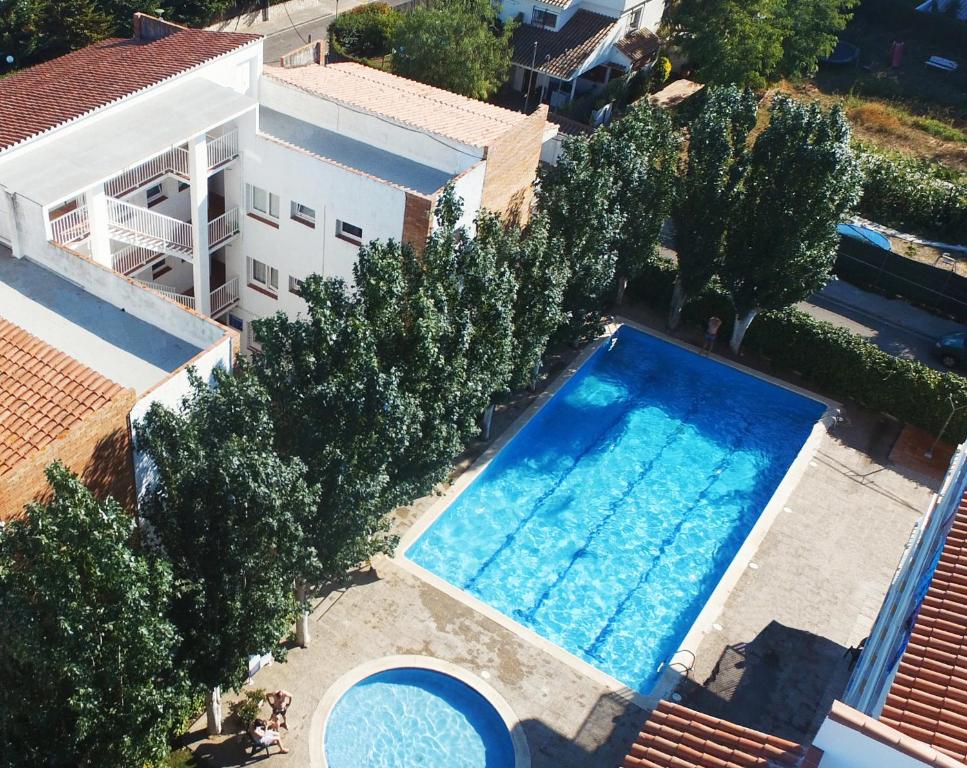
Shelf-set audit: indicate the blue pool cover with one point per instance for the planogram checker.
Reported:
(607, 521)
(866, 235)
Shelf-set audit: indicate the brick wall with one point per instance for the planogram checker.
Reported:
(417, 217)
(97, 448)
(511, 167)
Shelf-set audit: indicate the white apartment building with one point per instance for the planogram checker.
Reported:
(567, 48)
(176, 161)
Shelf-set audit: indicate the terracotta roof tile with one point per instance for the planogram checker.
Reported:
(640, 46)
(421, 106)
(561, 53)
(43, 393)
(47, 95)
(677, 737)
(928, 698)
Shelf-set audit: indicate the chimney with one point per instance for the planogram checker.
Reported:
(148, 28)
(313, 53)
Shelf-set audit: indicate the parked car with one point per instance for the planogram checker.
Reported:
(952, 349)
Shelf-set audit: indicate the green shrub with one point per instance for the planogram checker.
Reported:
(913, 196)
(830, 358)
(248, 707)
(365, 31)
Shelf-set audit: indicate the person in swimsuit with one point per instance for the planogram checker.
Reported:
(279, 701)
(265, 736)
(711, 334)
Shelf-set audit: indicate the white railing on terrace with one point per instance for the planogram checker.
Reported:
(168, 233)
(223, 148)
(131, 258)
(71, 227)
(224, 295)
(171, 293)
(223, 227)
(173, 161)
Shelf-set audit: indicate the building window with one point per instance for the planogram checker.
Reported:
(635, 21)
(261, 275)
(262, 203)
(542, 18)
(350, 232)
(295, 285)
(303, 214)
(155, 194)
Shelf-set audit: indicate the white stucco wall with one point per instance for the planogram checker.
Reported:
(845, 747)
(170, 393)
(435, 151)
(469, 188)
(295, 249)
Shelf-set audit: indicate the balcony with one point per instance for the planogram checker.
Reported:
(222, 298)
(72, 227)
(155, 232)
(221, 150)
(133, 258)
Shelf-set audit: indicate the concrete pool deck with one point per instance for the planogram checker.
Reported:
(822, 570)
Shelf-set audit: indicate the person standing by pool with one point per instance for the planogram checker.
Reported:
(711, 333)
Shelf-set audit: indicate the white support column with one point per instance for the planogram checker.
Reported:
(200, 265)
(100, 242)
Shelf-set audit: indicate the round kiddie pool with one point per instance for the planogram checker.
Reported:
(417, 712)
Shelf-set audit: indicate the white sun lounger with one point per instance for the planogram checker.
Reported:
(939, 62)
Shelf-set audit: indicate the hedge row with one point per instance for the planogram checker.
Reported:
(906, 194)
(830, 358)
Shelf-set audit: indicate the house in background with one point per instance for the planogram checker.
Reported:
(175, 160)
(564, 49)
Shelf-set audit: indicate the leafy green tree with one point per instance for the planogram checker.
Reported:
(343, 416)
(88, 653)
(644, 150)
(229, 515)
(605, 202)
(756, 42)
(803, 178)
(36, 30)
(459, 45)
(541, 274)
(718, 151)
(366, 30)
(441, 320)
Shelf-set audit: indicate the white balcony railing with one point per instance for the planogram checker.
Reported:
(128, 222)
(223, 227)
(71, 227)
(131, 258)
(223, 148)
(173, 161)
(224, 296)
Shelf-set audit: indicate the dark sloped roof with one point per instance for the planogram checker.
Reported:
(568, 48)
(928, 698)
(640, 46)
(47, 95)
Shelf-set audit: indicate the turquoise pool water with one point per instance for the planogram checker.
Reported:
(416, 718)
(608, 520)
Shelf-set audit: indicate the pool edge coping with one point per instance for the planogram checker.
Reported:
(320, 718)
(670, 674)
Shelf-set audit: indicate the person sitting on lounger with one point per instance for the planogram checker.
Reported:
(265, 736)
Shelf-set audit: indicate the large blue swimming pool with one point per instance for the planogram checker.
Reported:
(608, 520)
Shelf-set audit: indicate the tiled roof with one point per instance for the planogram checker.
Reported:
(567, 3)
(43, 393)
(639, 46)
(47, 95)
(677, 737)
(928, 698)
(569, 126)
(421, 106)
(561, 54)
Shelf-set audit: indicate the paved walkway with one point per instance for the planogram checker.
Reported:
(291, 24)
(893, 325)
(823, 570)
